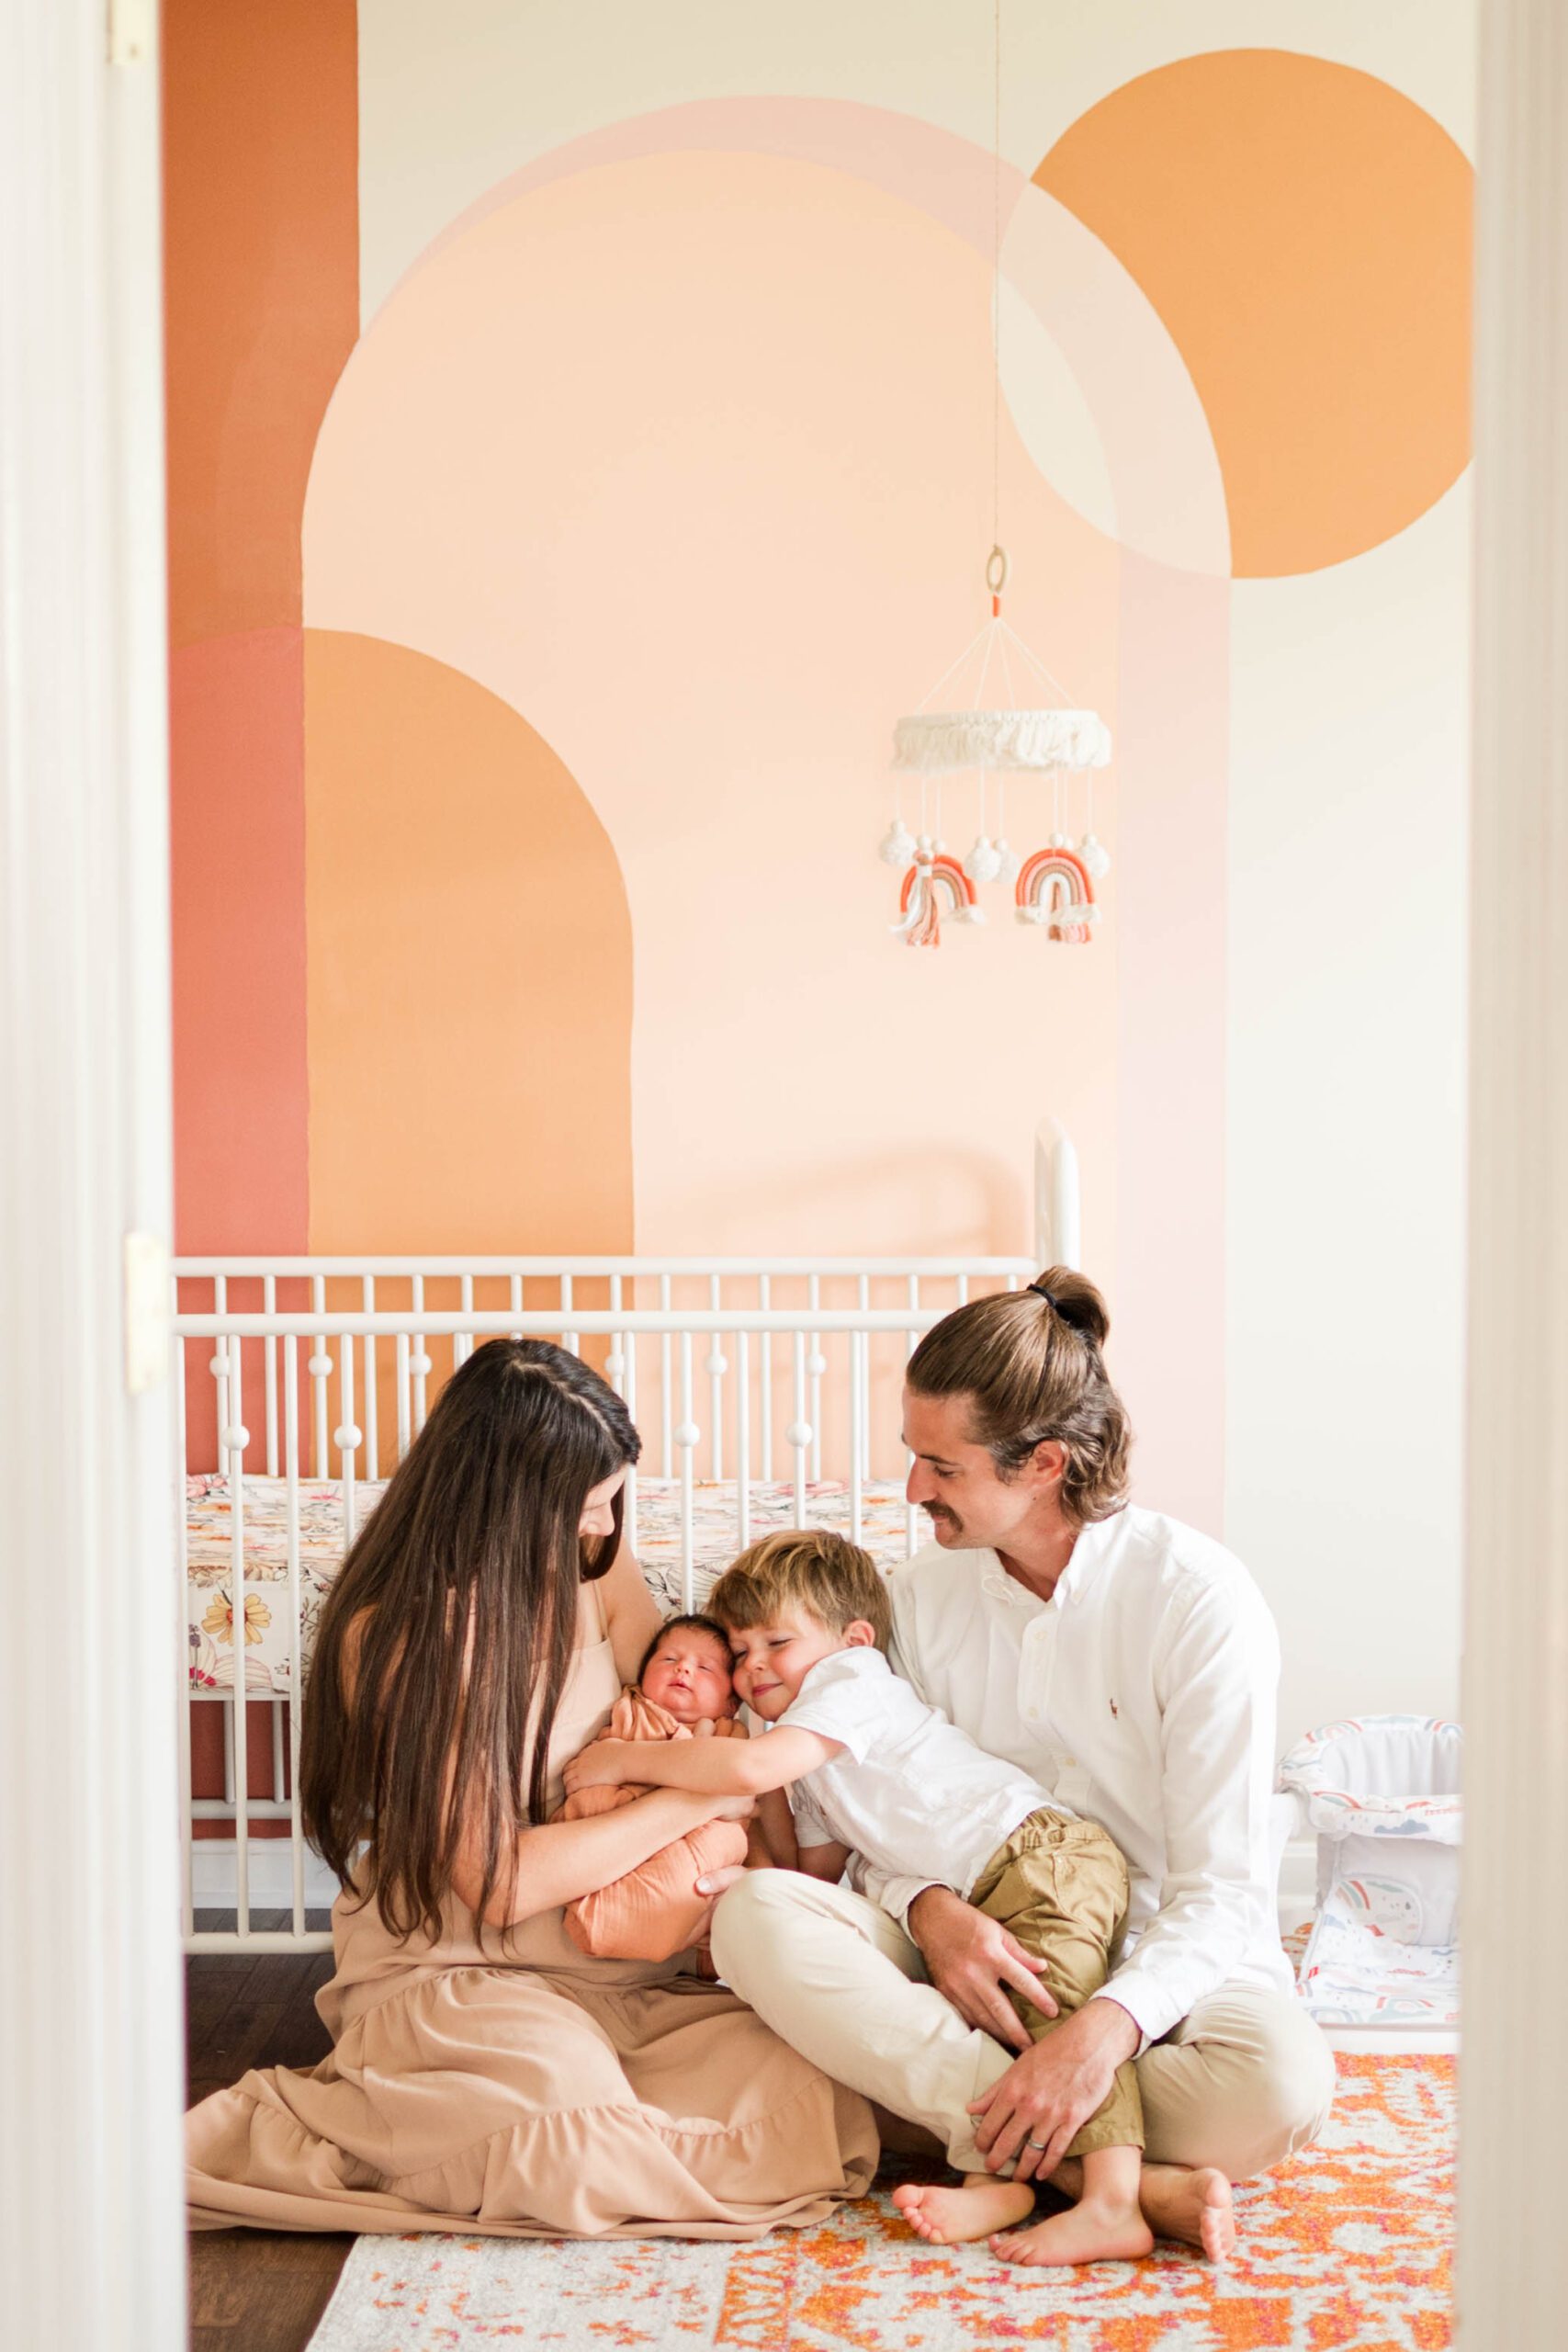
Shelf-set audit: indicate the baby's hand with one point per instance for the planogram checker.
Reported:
(601, 1765)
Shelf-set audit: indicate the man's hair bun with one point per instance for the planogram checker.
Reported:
(1075, 1298)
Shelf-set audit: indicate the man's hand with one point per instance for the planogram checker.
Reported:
(970, 1958)
(602, 1764)
(1036, 2109)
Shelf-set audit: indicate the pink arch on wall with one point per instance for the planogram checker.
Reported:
(1172, 752)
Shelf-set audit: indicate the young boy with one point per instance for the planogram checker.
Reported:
(871, 1769)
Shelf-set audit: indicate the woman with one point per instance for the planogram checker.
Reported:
(487, 2075)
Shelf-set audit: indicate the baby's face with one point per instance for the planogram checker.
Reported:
(689, 1676)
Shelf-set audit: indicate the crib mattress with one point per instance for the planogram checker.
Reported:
(269, 1666)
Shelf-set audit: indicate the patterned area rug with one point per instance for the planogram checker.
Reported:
(1346, 2249)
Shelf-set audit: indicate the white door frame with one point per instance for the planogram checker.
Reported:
(90, 2055)
(1513, 2080)
(91, 2245)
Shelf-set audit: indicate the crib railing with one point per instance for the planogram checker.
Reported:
(803, 1386)
(455, 1300)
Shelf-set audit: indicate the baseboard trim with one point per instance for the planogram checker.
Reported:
(270, 1874)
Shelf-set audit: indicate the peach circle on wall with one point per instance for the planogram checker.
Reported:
(1303, 229)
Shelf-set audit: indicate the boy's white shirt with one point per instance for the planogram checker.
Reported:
(1142, 1695)
(910, 1793)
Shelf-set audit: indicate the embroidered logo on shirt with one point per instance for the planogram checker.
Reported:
(1115, 1710)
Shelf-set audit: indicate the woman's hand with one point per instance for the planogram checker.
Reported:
(602, 1764)
(973, 1960)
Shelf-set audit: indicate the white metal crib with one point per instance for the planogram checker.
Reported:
(795, 1364)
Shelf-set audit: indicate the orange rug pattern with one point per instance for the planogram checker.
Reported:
(1345, 2249)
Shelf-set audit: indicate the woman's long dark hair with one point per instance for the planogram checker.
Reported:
(462, 1598)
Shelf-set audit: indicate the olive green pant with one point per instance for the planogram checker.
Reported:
(1060, 1887)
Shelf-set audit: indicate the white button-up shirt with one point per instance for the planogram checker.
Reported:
(1142, 1695)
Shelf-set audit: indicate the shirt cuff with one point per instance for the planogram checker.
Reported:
(895, 1896)
(1146, 2002)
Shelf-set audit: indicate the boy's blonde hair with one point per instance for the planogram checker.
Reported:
(806, 1568)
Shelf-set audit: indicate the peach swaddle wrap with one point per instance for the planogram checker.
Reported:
(654, 1911)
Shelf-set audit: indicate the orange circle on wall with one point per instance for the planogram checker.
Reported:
(1303, 231)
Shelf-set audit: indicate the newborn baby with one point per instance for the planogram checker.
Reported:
(682, 1690)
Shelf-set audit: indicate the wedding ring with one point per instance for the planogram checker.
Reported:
(1040, 2144)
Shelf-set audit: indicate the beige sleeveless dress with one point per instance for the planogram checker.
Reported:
(529, 2091)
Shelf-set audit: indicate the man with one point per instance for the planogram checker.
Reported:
(1131, 1665)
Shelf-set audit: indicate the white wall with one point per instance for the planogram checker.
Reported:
(1346, 1117)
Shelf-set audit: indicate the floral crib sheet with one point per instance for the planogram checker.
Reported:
(268, 1649)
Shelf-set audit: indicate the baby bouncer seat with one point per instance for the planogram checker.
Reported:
(1383, 1794)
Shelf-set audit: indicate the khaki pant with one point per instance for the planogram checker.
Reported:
(1241, 2084)
(1060, 1887)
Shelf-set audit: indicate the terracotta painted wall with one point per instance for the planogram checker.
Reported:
(580, 452)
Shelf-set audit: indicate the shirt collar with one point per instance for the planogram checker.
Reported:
(1070, 1585)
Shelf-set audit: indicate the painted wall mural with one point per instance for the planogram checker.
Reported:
(580, 452)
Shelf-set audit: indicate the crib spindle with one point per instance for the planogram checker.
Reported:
(765, 1398)
(686, 1437)
(798, 1433)
(864, 1293)
(182, 1573)
(269, 1359)
(629, 1341)
(666, 1394)
(319, 1367)
(817, 1364)
(233, 1438)
(401, 1375)
(858, 1344)
(715, 1364)
(296, 1618)
(372, 1402)
(743, 1437)
(419, 1360)
(911, 1340)
(347, 1437)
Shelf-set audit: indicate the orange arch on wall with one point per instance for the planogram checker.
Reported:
(468, 971)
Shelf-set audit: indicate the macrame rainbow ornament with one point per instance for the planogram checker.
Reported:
(1053, 890)
(935, 884)
(995, 742)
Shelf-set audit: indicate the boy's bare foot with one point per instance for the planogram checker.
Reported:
(954, 2216)
(1195, 2206)
(1085, 2232)
(1178, 2201)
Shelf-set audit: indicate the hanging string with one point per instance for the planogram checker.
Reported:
(997, 275)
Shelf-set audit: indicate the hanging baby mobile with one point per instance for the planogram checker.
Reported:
(995, 737)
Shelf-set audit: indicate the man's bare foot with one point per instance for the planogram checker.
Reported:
(1194, 2206)
(954, 2216)
(1085, 2232)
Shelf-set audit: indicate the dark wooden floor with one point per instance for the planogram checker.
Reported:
(255, 2290)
